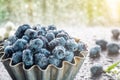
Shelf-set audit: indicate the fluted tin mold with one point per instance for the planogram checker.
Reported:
(1, 49)
(66, 72)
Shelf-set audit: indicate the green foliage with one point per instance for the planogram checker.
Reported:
(112, 67)
(89, 12)
(3, 11)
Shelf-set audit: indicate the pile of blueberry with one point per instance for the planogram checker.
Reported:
(102, 45)
(41, 46)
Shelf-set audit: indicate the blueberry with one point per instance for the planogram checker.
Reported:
(45, 52)
(96, 70)
(43, 28)
(6, 43)
(50, 36)
(20, 44)
(115, 34)
(69, 56)
(97, 47)
(35, 50)
(34, 44)
(37, 27)
(44, 39)
(95, 51)
(60, 31)
(56, 42)
(16, 57)
(21, 29)
(25, 37)
(102, 43)
(41, 32)
(53, 60)
(113, 48)
(53, 43)
(59, 52)
(34, 28)
(38, 56)
(55, 32)
(61, 41)
(31, 33)
(8, 51)
(42, 51)
(64, 35)
(81, 46)
(41, 60)
(12, 39)
(51, 27)
(71, 45)
(27, 58)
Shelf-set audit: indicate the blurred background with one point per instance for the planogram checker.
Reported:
(58, 12)
(101, 16)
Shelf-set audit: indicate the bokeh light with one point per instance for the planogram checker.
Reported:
(72, 12)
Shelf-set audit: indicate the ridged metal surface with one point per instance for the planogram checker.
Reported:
(1, 51)
(66, 72)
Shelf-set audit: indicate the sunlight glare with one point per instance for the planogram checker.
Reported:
(113, 4)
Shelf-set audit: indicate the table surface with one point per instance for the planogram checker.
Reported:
(87, 35)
